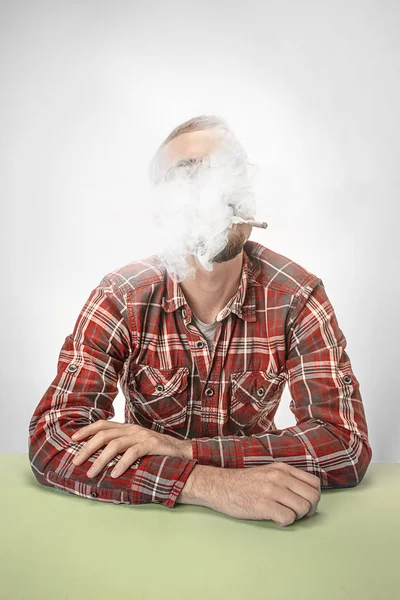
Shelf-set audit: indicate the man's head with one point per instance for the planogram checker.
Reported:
(195, 138)
(186, 154)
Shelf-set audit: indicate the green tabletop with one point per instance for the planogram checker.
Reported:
(60, 546)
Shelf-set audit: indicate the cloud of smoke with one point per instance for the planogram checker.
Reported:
(193, 205)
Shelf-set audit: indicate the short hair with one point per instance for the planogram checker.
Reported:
(201, 122)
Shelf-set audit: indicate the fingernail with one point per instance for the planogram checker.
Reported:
(90, 472)
(114, 473)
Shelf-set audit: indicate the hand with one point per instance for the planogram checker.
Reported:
(278, 492)
(135, 441)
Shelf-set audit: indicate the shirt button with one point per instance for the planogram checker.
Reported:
(72, 368)
(199, 344)
(93, 494)
(209, 392)
(159, 387)
(261, 391)
(347, 379)
(184, 313)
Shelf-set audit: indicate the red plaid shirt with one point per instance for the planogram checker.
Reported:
(136, 328)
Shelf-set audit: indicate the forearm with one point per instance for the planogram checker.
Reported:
(337, 457)
(205, 485)
(151, 478)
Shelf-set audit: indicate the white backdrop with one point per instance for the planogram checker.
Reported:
(90, 90)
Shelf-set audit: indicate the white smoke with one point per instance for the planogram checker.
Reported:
(193, 205)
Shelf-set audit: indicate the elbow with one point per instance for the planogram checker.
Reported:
(39, 473)
(364, 458)
(40, 454)
(352, 469)
(36, 465)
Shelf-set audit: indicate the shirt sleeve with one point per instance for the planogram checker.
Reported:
(83, 392)
(330, 438)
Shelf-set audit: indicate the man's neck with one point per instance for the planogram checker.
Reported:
(211, 291)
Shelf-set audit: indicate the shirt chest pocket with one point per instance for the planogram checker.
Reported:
(161, 395)
(254, 395)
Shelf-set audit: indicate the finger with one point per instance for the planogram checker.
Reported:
(94, 428)
(115, 447)
(301, 475)
(306, 496)
(291, 501)
(280, 514)
(305, 492)
(133, 453)
(312, 511)
(100, 439)
(153, 444)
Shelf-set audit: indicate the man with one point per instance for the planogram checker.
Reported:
(202, 364)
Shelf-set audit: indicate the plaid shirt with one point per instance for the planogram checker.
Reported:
(136, 328)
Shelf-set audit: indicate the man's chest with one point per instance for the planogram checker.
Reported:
(175, 383)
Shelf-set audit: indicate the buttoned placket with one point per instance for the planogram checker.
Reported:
(205, 364)
(208, 363)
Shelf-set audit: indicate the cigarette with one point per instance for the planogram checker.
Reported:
(251, 222)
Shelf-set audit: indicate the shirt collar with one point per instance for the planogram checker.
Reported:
(243, 304)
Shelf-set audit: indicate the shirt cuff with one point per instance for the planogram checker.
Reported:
(160, 479)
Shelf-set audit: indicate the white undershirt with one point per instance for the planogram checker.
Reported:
(207, 329)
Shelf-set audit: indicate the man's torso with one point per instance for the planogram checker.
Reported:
(175, 382)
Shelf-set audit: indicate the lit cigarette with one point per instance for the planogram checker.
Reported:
(251, 222)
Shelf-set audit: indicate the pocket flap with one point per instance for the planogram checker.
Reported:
(252, 386)
(161, 382)
(255, 394)
(160, 395)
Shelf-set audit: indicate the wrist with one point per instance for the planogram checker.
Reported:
(187, 451)
(204, 485)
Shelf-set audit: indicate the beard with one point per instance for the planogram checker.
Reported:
(236, 242)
